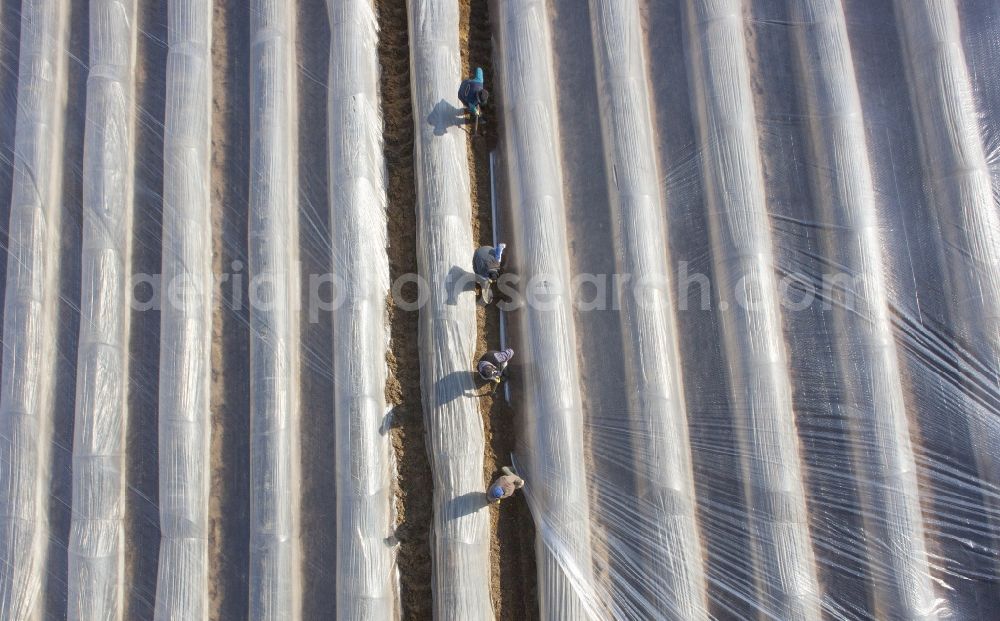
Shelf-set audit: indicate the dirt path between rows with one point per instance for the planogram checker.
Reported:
(513, 570)
(413, 494)
(229, 506)
(512, 556)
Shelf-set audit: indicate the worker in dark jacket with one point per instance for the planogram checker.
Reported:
(486, 264)
(504, 486)
(492, 364)
(472, 93)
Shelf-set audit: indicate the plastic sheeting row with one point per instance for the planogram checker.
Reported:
(30, 307)
(366, 557)
(460, 548)
(96, 545)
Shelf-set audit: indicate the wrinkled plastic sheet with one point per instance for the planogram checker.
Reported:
(552, 431)
(186, 327)
(751, 456)
(366, 557)
(30, 308)
(754, 456)
(274, 329)
(460, 546)
(96, 545)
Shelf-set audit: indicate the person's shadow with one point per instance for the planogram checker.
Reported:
(459, 281)
(454, 385)
(445, 115)
(389, 422)
(466, 504)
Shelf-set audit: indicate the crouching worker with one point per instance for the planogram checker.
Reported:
(472, 93)
(492, 365)
(504, 486)
(486, 265)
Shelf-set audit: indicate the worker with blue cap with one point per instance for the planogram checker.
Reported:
(504, 486)
(472, 93)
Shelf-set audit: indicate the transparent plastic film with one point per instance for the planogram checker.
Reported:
(455, 438)
(96, 545)
(186, 328)
(367, 578)
(750, 278)
(780, 385)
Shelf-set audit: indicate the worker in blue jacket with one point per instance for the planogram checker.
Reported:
(472, 93)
